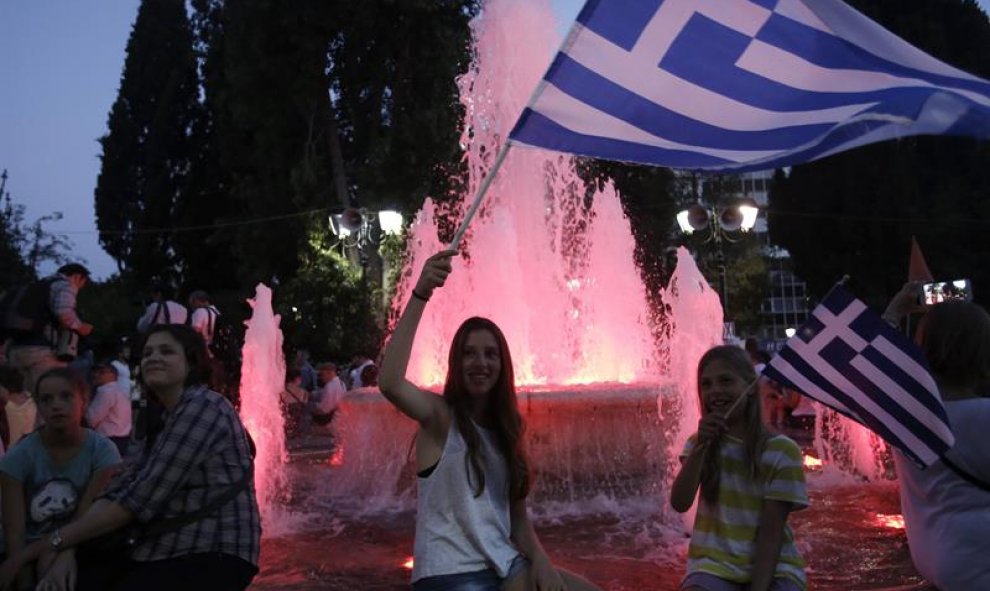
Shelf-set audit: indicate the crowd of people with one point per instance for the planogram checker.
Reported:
(88, 503)
(82, 509)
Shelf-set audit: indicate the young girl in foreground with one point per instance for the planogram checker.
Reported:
(472, 530)
(750, 481)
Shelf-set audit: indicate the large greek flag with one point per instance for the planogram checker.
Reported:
(740, 85)
(847, 357)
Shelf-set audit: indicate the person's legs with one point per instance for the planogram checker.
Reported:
(485, 580)
(519, 579)
(196, 572)
(706, 582)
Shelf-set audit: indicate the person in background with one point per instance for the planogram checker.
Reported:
(358, 365)
(109, 412)
(35, 353)
(749, 482)
(306, 369)
(946, 506)
(20, 409)
(122, 364)
(161, 310)
(203, 318)
(293, 401)
(51, 477)
(327, 398)
(472, 527)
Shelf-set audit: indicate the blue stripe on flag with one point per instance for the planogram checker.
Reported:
(829, 51)
(612, 21)
(904, 380)
(852, 408)
(536, 129)
(592, 89)
(838, 354)
(706, 53)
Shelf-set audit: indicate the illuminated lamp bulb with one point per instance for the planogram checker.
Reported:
(731, 219)
(698, 217)
(350, 219)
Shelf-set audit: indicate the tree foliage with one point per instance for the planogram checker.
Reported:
(855, 213)
(149, 149)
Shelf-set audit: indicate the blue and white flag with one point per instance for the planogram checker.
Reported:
(740, 85)
(847, 357)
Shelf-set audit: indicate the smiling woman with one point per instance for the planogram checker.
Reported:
(469, 459)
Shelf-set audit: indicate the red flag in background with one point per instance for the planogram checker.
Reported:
(918, 268)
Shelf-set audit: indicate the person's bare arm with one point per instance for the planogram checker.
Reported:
(424, 407)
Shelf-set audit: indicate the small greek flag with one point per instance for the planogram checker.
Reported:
(847, 357)
(740, 85)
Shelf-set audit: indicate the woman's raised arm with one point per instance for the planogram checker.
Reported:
(418, 404)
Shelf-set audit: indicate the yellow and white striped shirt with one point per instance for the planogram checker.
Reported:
(724, 536)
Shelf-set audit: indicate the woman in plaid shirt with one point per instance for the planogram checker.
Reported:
(201, 452)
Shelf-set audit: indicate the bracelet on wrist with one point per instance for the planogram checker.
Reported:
(419, 297)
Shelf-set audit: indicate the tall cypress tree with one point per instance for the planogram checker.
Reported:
(148, 151)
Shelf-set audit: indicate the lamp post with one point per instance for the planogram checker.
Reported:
(722, 223)
(362, 230)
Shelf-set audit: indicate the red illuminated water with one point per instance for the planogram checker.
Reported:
(556, 276)
(606, 406)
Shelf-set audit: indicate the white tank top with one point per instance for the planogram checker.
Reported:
(457, 532)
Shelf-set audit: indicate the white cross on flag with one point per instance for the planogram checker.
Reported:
(847, 357)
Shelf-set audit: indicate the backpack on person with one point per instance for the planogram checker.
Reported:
(24, 309)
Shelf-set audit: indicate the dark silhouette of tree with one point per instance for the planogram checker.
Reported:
(854, 213)
(149, 149)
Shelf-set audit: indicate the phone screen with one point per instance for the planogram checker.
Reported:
(940, 291)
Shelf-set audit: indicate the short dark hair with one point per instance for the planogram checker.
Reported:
(199, 296)
(192, 345)
(73, 269)
(79, 384)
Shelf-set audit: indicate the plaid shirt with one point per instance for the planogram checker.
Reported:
(202, 450)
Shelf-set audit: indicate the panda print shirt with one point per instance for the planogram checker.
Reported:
(52, 493)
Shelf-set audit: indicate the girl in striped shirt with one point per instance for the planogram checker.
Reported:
(750, 481)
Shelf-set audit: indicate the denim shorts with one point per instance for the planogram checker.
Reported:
(712, 583)
(480, 580)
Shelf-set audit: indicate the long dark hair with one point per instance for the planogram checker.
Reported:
(955, 338)
(502, 407)
(756, 435)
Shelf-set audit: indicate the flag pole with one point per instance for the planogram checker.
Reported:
(568, 41)
(485, 183)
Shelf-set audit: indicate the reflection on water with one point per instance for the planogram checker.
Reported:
(848, 536)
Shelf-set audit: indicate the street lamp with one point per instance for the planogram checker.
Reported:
(363, 230)
(357, 228)
(722, 223)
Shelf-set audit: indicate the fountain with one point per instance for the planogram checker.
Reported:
(607, 406)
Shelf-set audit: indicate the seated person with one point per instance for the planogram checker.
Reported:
(20, 410)
(293, 400)
(326, 399)
(109, 413)
(55, 473)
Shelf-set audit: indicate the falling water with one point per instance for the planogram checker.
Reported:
(558, 277)
(262, 378)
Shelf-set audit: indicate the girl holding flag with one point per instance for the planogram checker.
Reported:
(749, 480)
(472, 528)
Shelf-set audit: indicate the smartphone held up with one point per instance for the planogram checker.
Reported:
(940, 291)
